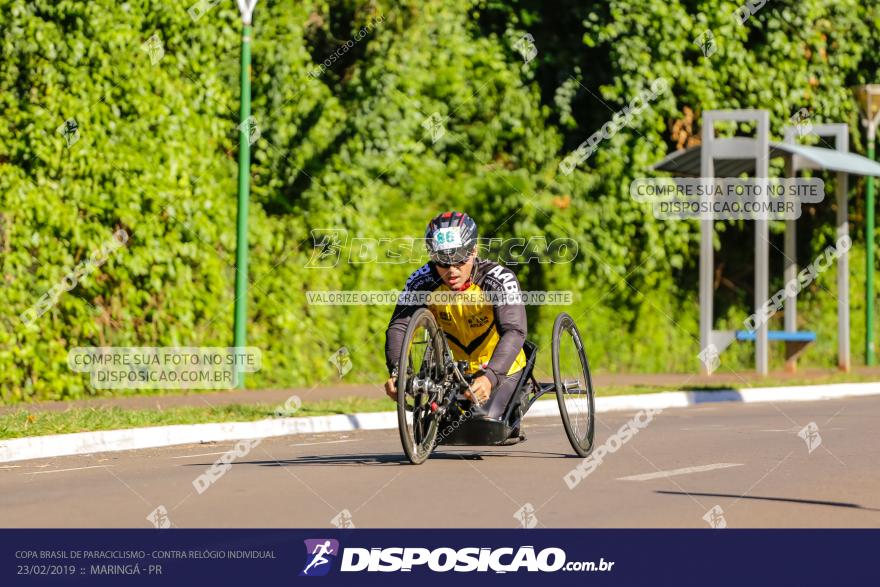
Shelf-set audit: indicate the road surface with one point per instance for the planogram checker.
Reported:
(731, 465)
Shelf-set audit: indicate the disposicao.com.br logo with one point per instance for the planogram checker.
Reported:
(320, 553)
(444, 559)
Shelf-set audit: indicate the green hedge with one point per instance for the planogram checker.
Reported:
(346, 149)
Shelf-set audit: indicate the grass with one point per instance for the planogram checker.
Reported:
(23, 422)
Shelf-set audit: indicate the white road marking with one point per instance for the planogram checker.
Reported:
(325, 442)
(684, 471)
(63, 470)
(795, 429)
(204, 454)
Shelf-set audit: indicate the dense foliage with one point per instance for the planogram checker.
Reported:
(153, 152)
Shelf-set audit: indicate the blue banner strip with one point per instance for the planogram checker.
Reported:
(206, 558)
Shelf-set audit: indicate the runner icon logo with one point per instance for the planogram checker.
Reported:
(320, 554)
(526, 516)
(709, 356)
(810, 435)
(715, 517)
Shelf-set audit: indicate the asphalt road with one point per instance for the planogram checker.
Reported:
(744, 463)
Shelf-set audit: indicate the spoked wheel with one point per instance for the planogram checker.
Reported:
(419, 371)
(574, 387)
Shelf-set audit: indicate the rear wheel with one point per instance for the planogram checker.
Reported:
(574, 387)
(419, 375)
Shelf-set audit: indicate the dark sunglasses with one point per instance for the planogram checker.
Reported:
(448, 265)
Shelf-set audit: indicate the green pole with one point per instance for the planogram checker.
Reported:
(241, 246)
(869, 257)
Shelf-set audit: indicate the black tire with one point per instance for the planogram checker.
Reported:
(421, 359)
(570, 362)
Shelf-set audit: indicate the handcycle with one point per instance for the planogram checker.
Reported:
(434, 406)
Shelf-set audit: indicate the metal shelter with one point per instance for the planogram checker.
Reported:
(734, 156)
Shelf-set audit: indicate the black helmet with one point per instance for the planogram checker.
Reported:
(451, 237)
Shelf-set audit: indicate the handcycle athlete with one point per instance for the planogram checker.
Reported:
(488, 335)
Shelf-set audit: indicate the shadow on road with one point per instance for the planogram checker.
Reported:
(839, 504)
(388, 459)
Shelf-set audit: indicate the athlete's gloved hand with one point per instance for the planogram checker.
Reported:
(391, 388)
(480, 389)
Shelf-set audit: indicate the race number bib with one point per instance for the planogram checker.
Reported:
(447, 238)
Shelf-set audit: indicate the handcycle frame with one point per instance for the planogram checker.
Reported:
(443, 415)
(477, 432)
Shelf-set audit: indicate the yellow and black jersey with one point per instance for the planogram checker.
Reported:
(488, 334)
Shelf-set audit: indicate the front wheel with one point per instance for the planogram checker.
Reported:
(419, 373)
(574, 387)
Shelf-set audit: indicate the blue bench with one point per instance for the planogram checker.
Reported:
(795, 342)
(798, 336)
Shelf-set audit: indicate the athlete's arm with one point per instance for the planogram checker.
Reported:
(511, 321)
(395, 332)
(423, 279)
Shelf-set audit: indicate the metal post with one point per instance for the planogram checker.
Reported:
(869, 256)
(840, 133)
(762, 242)
(244, 160)
(791, 267)
(734, 148)
(707, 234)
(843, 271)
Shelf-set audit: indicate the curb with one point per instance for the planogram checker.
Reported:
(58, 445)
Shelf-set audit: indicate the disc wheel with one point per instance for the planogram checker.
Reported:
(574, 387)
(419, 373)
